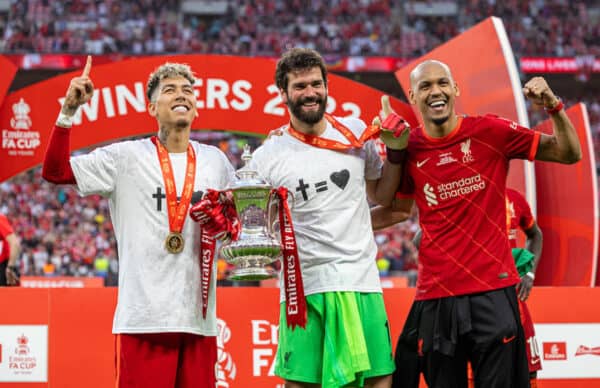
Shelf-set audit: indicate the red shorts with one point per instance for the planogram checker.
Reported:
(533, 353)
(178, 360)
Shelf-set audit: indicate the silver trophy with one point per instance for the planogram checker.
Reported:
(257, 246)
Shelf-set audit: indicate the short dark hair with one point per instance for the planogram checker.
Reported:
(298, 59)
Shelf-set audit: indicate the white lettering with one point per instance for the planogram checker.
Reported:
(108, 102)
(216, 90)
(137, 102)
(273, 106)
(260, 359)
(240, 89)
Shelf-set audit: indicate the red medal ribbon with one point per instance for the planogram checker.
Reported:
(177, 211)
(295, 302)
(371, 132)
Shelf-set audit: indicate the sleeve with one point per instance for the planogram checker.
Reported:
(97, 172)
(259, 161)
(373, 162)
(56, 167)
(526, 219)
(514, 140)
(5, 228)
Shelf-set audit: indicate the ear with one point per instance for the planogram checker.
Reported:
(456, 89)
(152, 109)
(283, 95)
(411, 97)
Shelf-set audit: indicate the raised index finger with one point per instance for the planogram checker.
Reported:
(385, 104)
(88, 67)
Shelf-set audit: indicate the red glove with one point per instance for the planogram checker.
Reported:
(216, 215)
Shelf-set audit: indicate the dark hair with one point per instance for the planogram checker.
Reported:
(298, 59)
(168, 70)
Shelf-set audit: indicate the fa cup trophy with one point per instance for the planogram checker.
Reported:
(257, 246)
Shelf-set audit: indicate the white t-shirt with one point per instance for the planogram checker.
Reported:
(330, 212)
(158, 291)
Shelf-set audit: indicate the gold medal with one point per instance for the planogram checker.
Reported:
(174, 243)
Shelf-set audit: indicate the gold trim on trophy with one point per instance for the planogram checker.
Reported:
(174, 242)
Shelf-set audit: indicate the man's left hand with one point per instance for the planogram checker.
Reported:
(524, 287)
(12, 276)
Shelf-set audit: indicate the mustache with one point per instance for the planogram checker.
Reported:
(318, 100)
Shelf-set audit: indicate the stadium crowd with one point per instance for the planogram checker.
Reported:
(64, 235)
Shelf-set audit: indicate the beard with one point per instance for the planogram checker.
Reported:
(308, 117)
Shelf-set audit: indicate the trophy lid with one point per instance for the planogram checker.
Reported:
(246, 176)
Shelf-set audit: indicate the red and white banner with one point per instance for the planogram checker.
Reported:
(234, 94)
(61, 282)
(568, 212)
(545, 65)
(569, 350)
(79, 333)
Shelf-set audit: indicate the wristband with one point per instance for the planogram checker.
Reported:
(64, 121)
(557, 108)
(395, 156)
(531, 275)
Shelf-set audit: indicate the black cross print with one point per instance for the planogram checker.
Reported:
(302, 188)
(159, 197)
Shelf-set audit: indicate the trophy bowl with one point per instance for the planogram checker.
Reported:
(256, 247)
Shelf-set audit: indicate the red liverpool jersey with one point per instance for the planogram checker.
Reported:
(459, 184)
(518, 214)
(5, 230)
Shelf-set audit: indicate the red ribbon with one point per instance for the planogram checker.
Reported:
(217, 217)
(295, 307)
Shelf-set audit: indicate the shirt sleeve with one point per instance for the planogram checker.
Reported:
(373, 162)
(514, 140)
(5, 228)
(97, 172)
(526, 219)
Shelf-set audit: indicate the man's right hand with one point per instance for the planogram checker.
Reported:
(395, 131)
(80, 90)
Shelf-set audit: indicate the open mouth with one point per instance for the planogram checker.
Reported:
(438, 106)
(180, 108)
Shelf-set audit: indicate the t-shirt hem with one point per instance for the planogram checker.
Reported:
(156, 330)
(438, 295)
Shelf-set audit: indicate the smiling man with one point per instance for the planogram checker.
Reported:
(166, 331)
(455, 171)
(333, 328)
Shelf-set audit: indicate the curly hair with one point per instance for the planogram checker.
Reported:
(168, 70)
(298, 59)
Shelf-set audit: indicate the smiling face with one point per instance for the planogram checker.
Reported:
(306, 95)
(173, 103)
(433, 91)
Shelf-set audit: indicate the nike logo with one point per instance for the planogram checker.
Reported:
(508, 339)
(422, 162)
(535, 360)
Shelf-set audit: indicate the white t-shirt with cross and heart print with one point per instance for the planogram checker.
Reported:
(330, 212)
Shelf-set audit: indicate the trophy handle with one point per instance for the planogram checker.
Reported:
(273, 214)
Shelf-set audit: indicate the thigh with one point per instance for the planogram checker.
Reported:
(147, 360)
(442, 371)
(300, 351)
(197, 362)
(376, 328)
(498, 352)
(407, 354)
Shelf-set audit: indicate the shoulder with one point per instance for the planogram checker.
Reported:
(208, 151)
(356, 125)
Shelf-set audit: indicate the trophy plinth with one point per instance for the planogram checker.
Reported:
(257, 246)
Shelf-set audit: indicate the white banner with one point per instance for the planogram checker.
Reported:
(23, 353)
(569, 350)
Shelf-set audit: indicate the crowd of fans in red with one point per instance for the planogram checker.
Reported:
(63, 234)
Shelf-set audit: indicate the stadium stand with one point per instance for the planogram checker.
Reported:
(66, 235)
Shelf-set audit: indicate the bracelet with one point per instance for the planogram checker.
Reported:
(531, 275)
(395, 156)
(64, 121)
(557, 108)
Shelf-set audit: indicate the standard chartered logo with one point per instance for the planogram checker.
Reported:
(430, 196)
(460, 187)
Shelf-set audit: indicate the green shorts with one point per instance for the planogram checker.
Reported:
(346, 340)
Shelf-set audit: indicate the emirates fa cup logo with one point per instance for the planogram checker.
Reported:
(20, 119)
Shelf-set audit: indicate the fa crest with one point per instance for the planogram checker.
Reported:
(20, 119)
